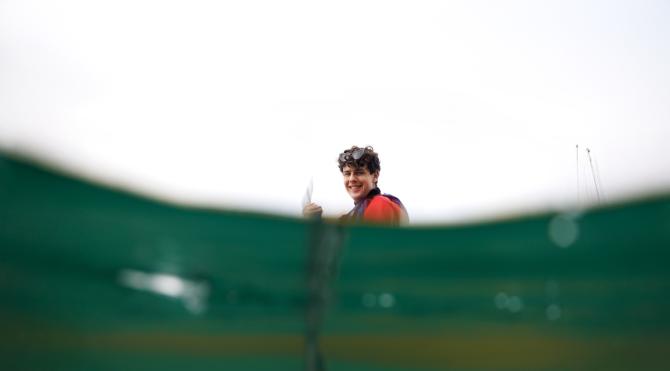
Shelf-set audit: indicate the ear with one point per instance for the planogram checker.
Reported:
(375, 176)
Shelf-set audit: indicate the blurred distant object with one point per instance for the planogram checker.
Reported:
(93, 279)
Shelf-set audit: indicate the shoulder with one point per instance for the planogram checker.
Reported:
(382, 201)
(382, 210)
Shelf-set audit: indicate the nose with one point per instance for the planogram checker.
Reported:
(351, 177)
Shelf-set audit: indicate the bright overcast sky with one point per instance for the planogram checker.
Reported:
(474, 106)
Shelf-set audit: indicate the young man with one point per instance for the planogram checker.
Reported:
(360, 170)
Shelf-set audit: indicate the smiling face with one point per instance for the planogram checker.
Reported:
(358, 181)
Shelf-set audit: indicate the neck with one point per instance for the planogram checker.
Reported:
(373, 192)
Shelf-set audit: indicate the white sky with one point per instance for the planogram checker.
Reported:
(474, 106)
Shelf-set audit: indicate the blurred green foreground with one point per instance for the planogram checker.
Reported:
(96, 279)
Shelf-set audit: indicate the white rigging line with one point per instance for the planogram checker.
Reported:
(587, 197)
(593, 173)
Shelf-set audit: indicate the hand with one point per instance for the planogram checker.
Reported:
(312, 210)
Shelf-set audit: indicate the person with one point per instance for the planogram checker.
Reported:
(360, 168)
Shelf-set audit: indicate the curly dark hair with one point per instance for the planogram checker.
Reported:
(358, 157)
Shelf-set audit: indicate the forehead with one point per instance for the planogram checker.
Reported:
(351, 168)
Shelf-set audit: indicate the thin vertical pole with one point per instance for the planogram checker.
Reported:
(579, 198)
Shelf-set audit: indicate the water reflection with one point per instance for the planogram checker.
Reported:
(384, 300)
(512, 303)
(563, 229)
(501, 300)
(515, 304)
(369, 300)
(553, 312)
(192, 293)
